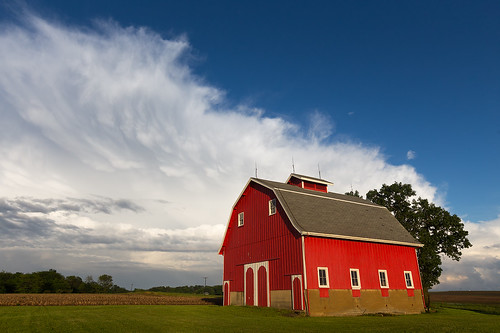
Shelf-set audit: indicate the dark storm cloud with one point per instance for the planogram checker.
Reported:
(13, 224)
(26, 221)
(473, 273)
(86, 239)
(45, 206)
(36, 223)
(129, 205)
(492, 246)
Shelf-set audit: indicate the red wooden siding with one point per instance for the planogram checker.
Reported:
(262, 285)
(227, 300)
(315, 187)
(261, 238)
(341, 255)
(295, 181)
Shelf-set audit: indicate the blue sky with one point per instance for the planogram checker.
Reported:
(372, 91)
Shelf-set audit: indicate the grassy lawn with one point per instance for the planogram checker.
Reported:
(493, 309)
(193, 318)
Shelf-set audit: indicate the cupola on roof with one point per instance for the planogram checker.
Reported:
(307, 182)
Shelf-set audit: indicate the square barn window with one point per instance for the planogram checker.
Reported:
(323, 277)
(272, 207)
(382, 275)
(241, 217)
(355, 283)
(409, 280)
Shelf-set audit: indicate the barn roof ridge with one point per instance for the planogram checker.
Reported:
(323, 195)
(331, 198)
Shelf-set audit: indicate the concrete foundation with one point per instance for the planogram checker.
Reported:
(281, 299)
(237, 298)
(342, 303)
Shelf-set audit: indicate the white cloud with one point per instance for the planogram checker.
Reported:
(479, 267)
(411, 155)
(321, 126)
(107, 113)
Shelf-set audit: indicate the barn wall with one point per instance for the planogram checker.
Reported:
(339, 256)
(261, 238)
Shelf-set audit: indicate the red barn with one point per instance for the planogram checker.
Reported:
(295, 245)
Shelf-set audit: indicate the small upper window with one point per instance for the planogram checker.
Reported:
(241, 219)
(355, 283)
(409, 280)
(382, 275)
(323, 277)
(272, 207)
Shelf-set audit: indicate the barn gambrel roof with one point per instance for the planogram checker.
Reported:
(333, 215)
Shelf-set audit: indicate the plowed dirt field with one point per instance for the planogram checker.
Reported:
(101, 299)
(482, 297)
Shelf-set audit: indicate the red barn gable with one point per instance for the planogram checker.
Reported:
(295, 245)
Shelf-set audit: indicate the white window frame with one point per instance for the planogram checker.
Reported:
(327, 285)
(272, 206)
(411, 280)
(386, 279)
(355, 270)
(241, 219)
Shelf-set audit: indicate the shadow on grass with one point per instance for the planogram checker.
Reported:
(213, 300)
(490, 309)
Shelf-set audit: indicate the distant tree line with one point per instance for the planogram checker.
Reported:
(209, 290)
(53, 282)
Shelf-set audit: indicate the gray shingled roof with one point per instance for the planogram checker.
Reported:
(338, 216)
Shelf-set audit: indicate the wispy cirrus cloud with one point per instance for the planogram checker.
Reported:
(411, 155)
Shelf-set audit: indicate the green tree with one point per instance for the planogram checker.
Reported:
(52, 282)
(354, 194)
(7, 282)
(440, 232)
(75, 283)
(105, 282)
(29, 283)
(90, 286)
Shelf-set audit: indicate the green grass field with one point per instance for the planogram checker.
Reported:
(193, 318)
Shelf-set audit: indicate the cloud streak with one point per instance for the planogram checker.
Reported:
(114, 155)
(411, 155)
